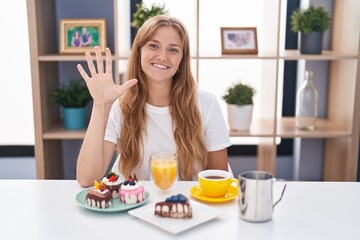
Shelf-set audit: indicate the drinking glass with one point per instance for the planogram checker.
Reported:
(163, 170)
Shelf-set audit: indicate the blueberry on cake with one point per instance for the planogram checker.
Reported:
(176, 206)
(99, 196)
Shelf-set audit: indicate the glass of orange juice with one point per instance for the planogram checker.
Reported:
(163, 169)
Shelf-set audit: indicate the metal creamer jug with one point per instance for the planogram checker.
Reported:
(256, 196)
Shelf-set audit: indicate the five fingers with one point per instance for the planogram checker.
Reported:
(100, 68)
(99, 63)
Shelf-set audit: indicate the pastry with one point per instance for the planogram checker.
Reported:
(132, 191)
(176, 206)
(98, 197)
(112, 183)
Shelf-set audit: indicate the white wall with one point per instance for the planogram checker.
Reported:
(16, 111)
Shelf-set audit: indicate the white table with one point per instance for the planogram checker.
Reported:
(47, 209)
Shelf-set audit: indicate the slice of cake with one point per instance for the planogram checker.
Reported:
(132, 191)
(112, 183)
(176, 206)
(98, 197)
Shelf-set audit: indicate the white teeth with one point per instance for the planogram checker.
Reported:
(160, 66)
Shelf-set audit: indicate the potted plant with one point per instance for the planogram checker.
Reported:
(239, 99)
(144, 13)
(73, 97)
(311, 23)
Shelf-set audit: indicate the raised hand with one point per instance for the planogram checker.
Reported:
(100, 84)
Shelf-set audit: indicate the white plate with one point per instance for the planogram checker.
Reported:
(201, 213)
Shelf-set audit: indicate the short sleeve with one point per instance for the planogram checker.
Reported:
(112, 131)
(216, 133)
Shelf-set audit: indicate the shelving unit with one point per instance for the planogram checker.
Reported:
(340, 129)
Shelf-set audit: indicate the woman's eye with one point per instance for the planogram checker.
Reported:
(153, 46)
(174, 50)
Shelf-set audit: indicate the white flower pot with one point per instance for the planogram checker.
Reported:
(239, 117)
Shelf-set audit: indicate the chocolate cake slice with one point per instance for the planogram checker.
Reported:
(98, 197)
(176, 206)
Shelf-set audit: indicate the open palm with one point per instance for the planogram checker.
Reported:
(100, 83)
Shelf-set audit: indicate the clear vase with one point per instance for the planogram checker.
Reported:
(307, 103)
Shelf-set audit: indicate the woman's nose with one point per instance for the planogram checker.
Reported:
(162, 56)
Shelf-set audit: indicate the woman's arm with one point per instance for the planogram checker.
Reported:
(218, 160)
(95, 153)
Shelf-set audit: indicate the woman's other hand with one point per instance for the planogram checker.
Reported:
(100, 83)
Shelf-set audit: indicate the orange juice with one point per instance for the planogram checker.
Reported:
(164, 172)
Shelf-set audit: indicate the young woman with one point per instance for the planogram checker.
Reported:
(159, 109)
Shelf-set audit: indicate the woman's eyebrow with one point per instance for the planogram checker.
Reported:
(171, 44)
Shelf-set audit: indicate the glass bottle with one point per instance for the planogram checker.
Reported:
(307, 103)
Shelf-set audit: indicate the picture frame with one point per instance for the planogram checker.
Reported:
(239, 40)
(78, 35)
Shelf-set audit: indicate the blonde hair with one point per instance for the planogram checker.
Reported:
(185, 115)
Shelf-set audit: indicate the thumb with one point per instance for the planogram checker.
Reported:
(126, 85)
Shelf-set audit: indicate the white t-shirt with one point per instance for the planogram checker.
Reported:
(160, 132)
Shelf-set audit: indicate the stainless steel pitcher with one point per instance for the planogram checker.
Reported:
(256, 196)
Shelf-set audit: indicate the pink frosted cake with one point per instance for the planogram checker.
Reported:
(98, 197)
(132, 191)
(112, 183)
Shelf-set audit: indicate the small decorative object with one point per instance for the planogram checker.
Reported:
(81, 35)
(311, 23)
(144, 13)
(239, 98)
(307, 103)
(239, 40)
(73, 98)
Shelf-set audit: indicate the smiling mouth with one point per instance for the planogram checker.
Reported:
(159, 66)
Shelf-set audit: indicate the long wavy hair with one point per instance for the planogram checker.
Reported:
(185, 115)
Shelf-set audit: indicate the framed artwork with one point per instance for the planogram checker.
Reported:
(239, 40)
(80, 35)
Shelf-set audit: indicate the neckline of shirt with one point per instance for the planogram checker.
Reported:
(154, 109)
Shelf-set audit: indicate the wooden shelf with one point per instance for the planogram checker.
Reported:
(285, 128)
(326, 55)
(285, 55)
(66, 58)
(258, 128)
(57, 131)
(260, 55)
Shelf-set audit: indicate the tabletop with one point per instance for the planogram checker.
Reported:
(47, 209)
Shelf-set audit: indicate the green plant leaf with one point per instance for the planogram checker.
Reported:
(240, 94)
(144, 13)
(310, 20)
(74, 94)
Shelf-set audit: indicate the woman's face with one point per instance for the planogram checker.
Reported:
(161, 55)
